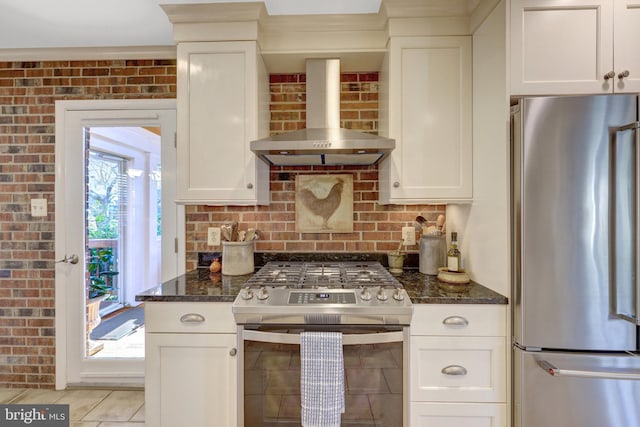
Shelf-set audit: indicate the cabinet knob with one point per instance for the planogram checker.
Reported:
(233, 352)
(454, 370)
(396, 184)
(609, 75)
(623, 74)
(455, 321)
(249, 186)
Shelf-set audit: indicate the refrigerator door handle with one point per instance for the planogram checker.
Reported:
(634, 317)
(557, 372)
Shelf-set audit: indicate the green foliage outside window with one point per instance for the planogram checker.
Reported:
(102, 274)
(105, 199)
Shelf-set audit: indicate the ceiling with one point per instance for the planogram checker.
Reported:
(26, 24)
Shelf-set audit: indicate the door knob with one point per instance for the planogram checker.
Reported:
(73, 259)
(609, 75)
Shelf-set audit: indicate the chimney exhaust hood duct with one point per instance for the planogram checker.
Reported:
(323, 142)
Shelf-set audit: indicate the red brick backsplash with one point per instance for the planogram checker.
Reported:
(28, 91)
(376, 228)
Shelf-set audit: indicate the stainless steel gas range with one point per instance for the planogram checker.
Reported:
(342, 293)
(362, 300)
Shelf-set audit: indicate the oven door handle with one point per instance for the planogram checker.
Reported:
(347, 339)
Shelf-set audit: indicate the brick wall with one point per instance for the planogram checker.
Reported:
(28, 91)
(377, 228)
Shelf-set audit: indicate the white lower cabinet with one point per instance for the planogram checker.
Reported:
(457, 360)
(191, 365)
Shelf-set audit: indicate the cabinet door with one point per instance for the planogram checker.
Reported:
(218, 88)
(457, 415)
(561, 47)
(430, 118)
(191, 380)
(626, 52)
(457, 369)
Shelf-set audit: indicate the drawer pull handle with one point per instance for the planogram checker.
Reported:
(192, 318)
(454, 370)
(233, 352)
(455, 321)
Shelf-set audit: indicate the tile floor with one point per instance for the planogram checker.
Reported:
(87, 407)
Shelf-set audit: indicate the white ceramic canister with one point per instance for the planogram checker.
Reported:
(237, 258)
(433, 250)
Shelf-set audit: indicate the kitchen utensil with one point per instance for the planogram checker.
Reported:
(433, 249)
(225, 232)
(237, 258)
(396, 262)
(252, 234)
(420, 223)
(440, 221)
(234, 231)
(241, 235)
(453, 277)
(432, 229)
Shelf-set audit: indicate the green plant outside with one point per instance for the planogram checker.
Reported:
(102, 273)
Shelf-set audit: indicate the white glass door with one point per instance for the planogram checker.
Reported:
(115, 210)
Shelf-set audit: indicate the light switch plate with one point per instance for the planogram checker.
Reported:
(38, 207)
(409, 236)
(213, 236)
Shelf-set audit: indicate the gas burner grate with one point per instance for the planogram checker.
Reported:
(323, 275)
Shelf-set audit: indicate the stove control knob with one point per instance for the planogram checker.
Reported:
(398, 295)
(262, 293)
(382, 294)
(365, 295)
(246, 293)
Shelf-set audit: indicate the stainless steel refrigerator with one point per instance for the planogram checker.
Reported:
(576, 260)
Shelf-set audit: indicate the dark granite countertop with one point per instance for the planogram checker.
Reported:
(202, 286)
(425, 289)
(196, 285)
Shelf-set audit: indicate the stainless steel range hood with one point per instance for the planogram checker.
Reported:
(323, 142)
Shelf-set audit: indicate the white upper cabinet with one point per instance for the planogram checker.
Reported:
(626, 53)
(574, 46)
(221, 91)
(428, 91)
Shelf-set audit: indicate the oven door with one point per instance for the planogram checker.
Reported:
(375, 376)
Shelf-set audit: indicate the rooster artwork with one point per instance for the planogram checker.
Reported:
(324, 203)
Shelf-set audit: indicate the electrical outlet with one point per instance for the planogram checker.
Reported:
(409, 236)
(38, 207)
(213, 236)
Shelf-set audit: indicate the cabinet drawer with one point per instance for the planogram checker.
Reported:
(459, 320)
(458, 415)
(188, 317)
(458, 369)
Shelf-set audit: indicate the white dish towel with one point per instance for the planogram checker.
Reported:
(321, 379)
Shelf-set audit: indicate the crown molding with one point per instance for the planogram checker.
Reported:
(89, 53)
